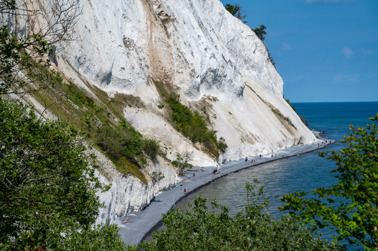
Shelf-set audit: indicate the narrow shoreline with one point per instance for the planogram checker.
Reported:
(141, 224)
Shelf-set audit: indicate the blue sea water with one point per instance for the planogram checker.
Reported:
(334, 118)
(304, 172)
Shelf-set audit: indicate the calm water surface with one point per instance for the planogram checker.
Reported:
(303, 172)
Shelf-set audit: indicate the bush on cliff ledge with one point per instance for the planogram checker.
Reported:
(193, 126)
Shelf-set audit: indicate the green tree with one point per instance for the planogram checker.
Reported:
(260, 32)
(151, 148)
(201, 228)
(47, 184)
(236, 11)
(351, 206)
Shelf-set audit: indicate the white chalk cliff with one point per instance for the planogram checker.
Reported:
(201, 51)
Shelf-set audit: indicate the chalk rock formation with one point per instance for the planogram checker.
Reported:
(214, 61)
(197, 47)
(127, 193)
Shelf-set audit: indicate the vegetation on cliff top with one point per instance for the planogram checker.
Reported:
(237, 11)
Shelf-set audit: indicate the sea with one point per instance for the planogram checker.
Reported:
(303, 172)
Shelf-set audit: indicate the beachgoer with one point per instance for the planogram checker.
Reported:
(184, 190)
(260, 156)
(246, 159)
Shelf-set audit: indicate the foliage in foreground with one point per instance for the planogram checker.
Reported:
(203, 229)
(351, 206)
(47, 185)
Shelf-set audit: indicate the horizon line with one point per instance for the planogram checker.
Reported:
(334, 101)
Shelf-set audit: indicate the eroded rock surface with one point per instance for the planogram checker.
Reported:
(195, 47)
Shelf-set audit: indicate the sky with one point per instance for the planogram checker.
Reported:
(325, 50)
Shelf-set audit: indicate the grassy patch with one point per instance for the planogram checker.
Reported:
(281, 116)
(99, 117)
(190, 123)
(126, 167)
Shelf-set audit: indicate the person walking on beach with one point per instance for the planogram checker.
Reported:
(184, 190)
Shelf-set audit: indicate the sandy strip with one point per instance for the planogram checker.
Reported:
(137, 225)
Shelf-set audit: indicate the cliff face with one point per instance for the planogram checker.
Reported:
(127, 193)
(195, 47)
